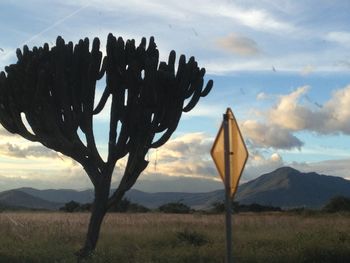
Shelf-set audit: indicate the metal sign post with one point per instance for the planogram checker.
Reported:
(228, 202)
(230, 156)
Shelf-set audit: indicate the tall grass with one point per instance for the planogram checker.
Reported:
(163, 238)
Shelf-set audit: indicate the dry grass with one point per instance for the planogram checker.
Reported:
(54, 237)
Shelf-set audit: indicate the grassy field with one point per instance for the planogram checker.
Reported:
(54, 237)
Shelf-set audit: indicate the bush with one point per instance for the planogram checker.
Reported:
(219, 207)
(126, 206)
(136, 208)
(123, 206)
(176, 208)
(258, 208)
(71, 207)
(337, 204)
(192, 238)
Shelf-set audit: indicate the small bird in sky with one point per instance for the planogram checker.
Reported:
(194, 31)
(318, 105)
(1, 49)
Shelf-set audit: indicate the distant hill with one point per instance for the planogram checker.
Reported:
(284, 187)
(287, 187)
(60, 195)
(150, 200)
(16, 199)
(194, 200)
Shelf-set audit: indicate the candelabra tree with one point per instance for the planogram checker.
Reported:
(52, 91)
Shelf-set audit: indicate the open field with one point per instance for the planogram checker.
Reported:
(54, 237)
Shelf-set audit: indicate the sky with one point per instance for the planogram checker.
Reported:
(283, 67)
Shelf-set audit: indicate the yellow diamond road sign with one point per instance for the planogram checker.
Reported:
(238, 153)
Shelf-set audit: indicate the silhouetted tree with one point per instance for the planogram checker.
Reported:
(53, 90)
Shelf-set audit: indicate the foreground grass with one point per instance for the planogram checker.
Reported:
(166, 238)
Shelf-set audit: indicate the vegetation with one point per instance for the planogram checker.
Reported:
(219, 207)
(123, 206)
(73, 206)
(338, 204)
(48, 96)
(175, 208)
(126, 206)
(171, 238)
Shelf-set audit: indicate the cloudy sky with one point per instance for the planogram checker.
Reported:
(282, 66)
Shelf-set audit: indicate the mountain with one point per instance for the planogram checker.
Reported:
(150, 200)
(194, 200)
(287, 188)
(17, 199)
(60, 195)
(284, 187)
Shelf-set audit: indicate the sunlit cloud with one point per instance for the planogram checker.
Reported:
(265, 135)
(333, 117)
(278, 125)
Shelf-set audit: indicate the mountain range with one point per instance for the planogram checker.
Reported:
(284, 187)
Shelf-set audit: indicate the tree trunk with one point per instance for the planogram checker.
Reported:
(98, 212)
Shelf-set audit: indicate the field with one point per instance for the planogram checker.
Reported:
(54, 237)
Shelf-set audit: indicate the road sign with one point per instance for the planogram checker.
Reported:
(230, 155)
(238, 153)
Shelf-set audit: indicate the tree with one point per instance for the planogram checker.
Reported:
(337, 204)
(71, 207)
(122, 206)
(53, 92)
(176, 208)
(125, 206)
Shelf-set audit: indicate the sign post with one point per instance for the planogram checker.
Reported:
(230, 156)
(228, 203)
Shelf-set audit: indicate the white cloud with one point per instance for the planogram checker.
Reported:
(262, 96)
(187, 156)
(240, 45)
(288, 113)
(258, 164)
(332, 117)
(278, 125)
(266, 135)
(36, 151)
(204, 109)
(340, 167)
(257, 19)
(340, 37)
